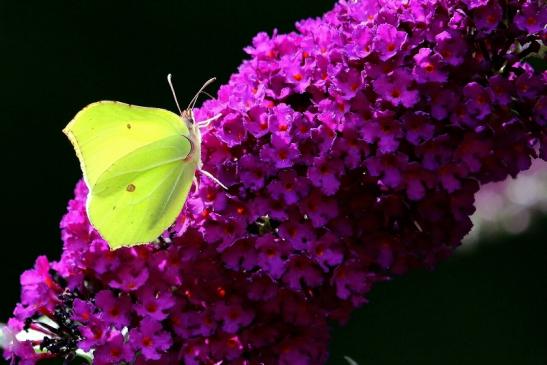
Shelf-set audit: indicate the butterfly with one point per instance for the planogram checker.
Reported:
(138, 164)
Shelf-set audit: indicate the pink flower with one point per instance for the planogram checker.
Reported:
(428, 67)
(150, 339)
(154, 305)
(114, 351)
(232, 316)
(396, 88)
(388, 41)
(115, 309)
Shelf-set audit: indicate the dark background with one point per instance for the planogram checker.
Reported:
(59, 55)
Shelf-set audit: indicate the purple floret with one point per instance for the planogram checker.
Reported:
(388, 41)
(150, 339)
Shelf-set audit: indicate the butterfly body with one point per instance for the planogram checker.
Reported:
(138, 163)
(194, 138)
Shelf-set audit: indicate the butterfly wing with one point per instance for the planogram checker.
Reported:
(106, 131)
(134, 161)
(141, 194)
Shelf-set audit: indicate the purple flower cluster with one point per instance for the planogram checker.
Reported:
(352, 151)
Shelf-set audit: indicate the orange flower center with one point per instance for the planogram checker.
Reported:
(152, 307)
(147, 341)
(115, 352)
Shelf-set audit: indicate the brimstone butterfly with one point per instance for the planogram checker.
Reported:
(138, 163)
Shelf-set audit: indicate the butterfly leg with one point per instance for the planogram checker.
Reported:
(196, 183)
(210, 176)
(205, 123)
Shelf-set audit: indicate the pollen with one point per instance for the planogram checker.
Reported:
(429, 67)
(147, 341)
(297, 76)
(283, 154)
(221, 292)
(531, 20)
(491, 19)
(115, 352)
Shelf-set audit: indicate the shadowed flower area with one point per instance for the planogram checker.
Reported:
(352, 150)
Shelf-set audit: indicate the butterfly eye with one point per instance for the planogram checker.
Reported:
(188, 116)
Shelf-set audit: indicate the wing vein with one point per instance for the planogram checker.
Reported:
(143, 170)
(173, 187)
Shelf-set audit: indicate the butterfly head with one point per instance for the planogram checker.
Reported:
(190, 122)
(187, 118)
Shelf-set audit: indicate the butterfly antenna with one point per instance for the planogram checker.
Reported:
(195, 98)
(174, 94)
(207, 94)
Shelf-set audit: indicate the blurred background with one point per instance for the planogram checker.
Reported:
(486, 305)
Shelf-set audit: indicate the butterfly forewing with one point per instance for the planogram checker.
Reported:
(137, 207)
(106, 131)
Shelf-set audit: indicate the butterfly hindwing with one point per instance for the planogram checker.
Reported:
(142, 194)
